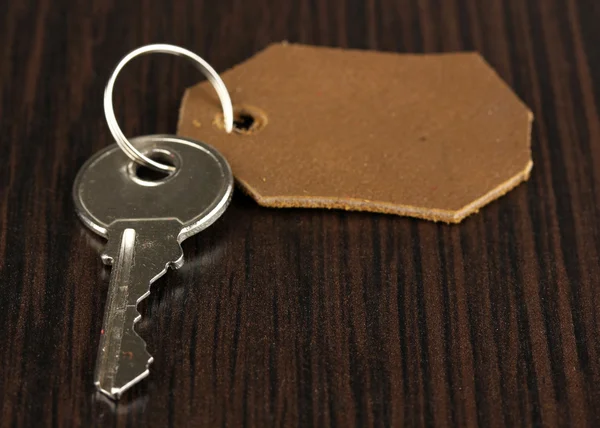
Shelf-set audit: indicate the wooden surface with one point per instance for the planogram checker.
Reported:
(299, 317)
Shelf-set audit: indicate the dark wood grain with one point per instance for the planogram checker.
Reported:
(300, 317)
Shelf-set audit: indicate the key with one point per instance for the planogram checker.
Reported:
(144, 220)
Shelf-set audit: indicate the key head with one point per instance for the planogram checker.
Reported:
(110, 188)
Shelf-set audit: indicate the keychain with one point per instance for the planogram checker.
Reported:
(145, 220)
(431, 136)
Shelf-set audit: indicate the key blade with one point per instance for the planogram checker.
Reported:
(138, 260)
(122, 356)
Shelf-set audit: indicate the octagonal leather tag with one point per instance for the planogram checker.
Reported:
(429, 136)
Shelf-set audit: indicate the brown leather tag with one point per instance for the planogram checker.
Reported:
(429, 136)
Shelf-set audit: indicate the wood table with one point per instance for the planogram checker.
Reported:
(303, 317)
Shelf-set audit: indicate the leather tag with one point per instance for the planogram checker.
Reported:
(429, 136)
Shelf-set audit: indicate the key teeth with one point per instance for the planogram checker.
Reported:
(177, 263)
(141, 342)
(135, 360)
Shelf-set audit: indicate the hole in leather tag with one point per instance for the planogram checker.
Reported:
(247, 120)
(429, 136)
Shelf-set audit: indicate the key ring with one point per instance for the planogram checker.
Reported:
(125, 145)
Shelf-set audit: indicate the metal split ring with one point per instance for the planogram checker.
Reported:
(133, 153)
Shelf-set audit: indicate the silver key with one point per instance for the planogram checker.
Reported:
(144, 221)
